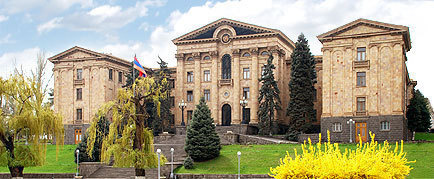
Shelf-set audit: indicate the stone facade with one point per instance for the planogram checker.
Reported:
(376, 52)
(81, 69)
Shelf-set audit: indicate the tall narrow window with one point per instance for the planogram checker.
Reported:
(246, 73)
(120, 77)
(206, 75)
(361, 54)
(246, 93)
(172, 101)
(189, 116)
(189, 96)
(79, 93)
(207, 94)
(79, 74)
(189, 76)
(226, 66)
(361, 104)
(315, 97)
(361, 78)
(79, 115)
(110, 74)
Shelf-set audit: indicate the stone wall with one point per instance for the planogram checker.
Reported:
(220, 176)
(87, 168)
(313, 137)
(69, 132)
(41, 175)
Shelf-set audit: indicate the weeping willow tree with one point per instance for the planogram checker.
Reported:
(130, 141)
(26, 123)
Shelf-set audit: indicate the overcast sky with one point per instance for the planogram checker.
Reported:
(146, 28)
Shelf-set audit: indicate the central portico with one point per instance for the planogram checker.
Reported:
(222, 62)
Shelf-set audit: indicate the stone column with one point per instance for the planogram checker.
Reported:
(254, 87)
(236, 98)
(214, 87)
(179, 89)
(197, 74)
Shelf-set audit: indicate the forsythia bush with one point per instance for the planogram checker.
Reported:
(369, 160)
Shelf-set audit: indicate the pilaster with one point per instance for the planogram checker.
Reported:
(236, 98)
(214, 87)
(197, 75)
(255, 86)
(180, 94)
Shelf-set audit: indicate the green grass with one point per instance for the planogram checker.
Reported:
(424, 136)
(64, 163)
(257, 159)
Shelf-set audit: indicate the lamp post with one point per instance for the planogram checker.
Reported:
(171, 165)
(351, 122)
(243, 103)
(239, 157)
(158, 153)
(77, 152)
(182, 105)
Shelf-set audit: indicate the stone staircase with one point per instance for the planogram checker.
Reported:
(112, 172)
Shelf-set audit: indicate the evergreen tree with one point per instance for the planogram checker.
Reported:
(202, 142)
(303, 76)
(418, 115)
(269, 99)
(102, 131)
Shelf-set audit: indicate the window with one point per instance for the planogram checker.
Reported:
(226, 66)
(190, 59)
(172, 101)
(315, 95)
(246, 93)
(361, 104)
(246, 54)
(110, 74)
(337, 127)
(79, 74)
(206, 58)
(120, 77)
(171, 83)
(361, 54)
(246, 73)
(361, 78)
(79, 114)
(189, 116)
(189, 96)
(262, 70)
(385, 126)
(264, 53)
(189, 76)
(79, 93)
(206, 75)
(207, 94)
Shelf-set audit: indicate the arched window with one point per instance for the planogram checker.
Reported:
(206, 58)
(264, 53)
(226, 66)
(246, 54)
(190, 59)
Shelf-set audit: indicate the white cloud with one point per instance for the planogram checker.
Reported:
(106, 17)
(6, 39)
(46, 7)
(312, 18)
(52, 24)
(3, 18)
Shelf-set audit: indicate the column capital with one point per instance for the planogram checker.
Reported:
(324, 49)
(196, 55)
(254, 51)
(179, 56)
(213, 53)
(236, 52)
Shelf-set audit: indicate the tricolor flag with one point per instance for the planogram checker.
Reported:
(139, 67)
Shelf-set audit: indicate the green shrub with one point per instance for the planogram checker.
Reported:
(188, 163)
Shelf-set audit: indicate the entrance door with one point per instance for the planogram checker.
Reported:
(361, 130)
(226, 115)
(77, 136)
(246, 115)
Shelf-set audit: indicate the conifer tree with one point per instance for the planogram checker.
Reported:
(269, 99)
(162, 123)
(418, 115)
(102, 128)
(202, 142)
(301, 86)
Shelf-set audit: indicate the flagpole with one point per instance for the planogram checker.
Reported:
(134, 79)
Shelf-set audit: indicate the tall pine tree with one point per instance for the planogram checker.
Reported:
(418, 115)
(269, 99)
(202, 142)
(301, 86)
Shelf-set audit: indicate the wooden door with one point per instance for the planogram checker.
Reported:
(77, 136)
(361, 130)
(226, 115)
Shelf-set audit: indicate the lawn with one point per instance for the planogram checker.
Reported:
(424, 136)
(64, 163)
(257, 159)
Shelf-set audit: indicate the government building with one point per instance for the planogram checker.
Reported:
(363, 84)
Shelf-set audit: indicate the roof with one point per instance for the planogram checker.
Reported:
(389, 29)
(242, 29)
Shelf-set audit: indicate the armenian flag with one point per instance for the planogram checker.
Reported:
(139, 67)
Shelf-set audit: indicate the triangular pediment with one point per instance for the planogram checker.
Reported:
(241, 28)
(76, 53)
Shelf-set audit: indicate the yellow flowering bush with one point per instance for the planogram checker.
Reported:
(369, 160)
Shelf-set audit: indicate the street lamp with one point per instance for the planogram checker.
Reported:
(77, 151)
(239, 157)
(158, 153)
(182, 105)
(351, 122)
(171, 165)
(243, 103)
